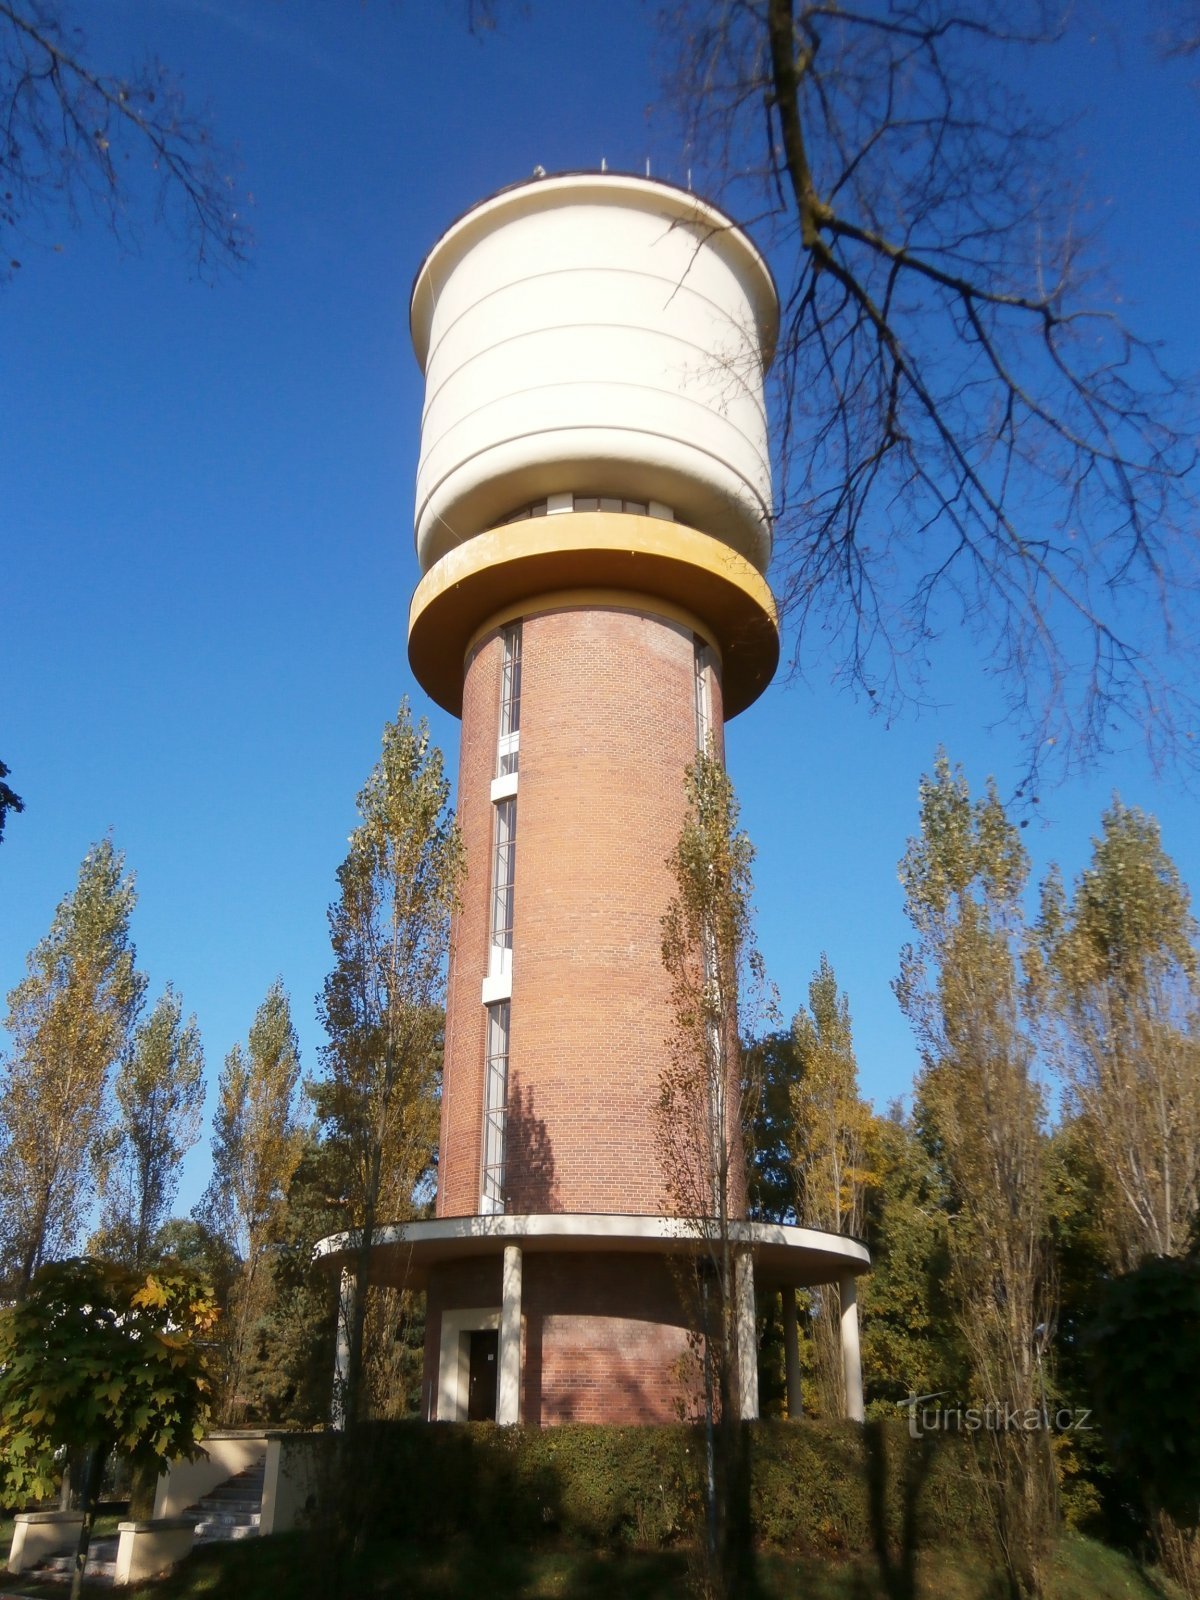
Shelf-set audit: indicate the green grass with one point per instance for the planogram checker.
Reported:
(292, 1567)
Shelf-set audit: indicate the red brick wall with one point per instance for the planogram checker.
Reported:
(605, 1340)
(603, 1337)
(462, 1084)
(607, 728)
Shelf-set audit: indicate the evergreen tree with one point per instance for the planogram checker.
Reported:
(160, 1096)
(69, 1019)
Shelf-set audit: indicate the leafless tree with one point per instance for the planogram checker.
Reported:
(969, 437)
(75, 137)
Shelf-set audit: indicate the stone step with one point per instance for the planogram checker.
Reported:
(101, 1561)
(210, 1506)
(251, 1478)
(214, 1527)
(216, 1535)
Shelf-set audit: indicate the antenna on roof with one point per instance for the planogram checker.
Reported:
(603, 164)
(647, 166)
(689, 180)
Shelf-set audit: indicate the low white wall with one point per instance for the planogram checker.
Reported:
(225, 1455)
(292, 1480)
(147, 1548)
(38, 1534)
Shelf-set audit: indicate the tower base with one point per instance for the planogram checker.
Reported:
(559, 1317)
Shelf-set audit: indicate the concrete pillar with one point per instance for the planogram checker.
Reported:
(747, 1339)
(508, 1392)
(791, 1351)
(341, 1368)
(851, 1354)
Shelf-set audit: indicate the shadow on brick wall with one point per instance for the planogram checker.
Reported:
(530, 1181)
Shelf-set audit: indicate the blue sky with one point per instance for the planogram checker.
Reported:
(206, 499)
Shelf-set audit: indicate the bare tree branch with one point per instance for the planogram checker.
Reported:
(964, 439)
(71, 135)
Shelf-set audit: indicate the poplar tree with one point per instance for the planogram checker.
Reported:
(832, 1133)
(69, 1019)
(981, 1109)
(1121, 969)
(257, 1145)
(160, 1096)
(382, 1003)
(706, 1105)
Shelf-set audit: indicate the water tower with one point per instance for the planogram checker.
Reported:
(593, 527)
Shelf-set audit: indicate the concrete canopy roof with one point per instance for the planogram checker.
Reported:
(784, 1255)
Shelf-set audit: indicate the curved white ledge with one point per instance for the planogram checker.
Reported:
(783, 1254)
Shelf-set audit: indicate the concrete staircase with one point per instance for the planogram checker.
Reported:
(233, 1510)
(101, 1562)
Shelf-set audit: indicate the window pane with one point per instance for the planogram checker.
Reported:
(495, 1109)
(503, 869)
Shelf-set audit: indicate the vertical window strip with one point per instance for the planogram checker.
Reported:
(701, 657)
(504, 863)
(495, 1108)
(509, 740)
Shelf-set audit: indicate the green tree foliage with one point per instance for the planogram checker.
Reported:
(10, 800)
(257, 1145)
(202, 1253)
(69, 1019)
(704, 1114)
(1146, 1381)
(291, 1363)
(704, 1108)
(980, 1106)
(1121, 968)
(101, 1357)
(832, 1128)
(910, 1344)
(831, 1123)
(1094, 1495)
(382, 1003)
(160, 1095)
(771, 1070)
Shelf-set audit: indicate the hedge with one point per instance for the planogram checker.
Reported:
(816, 1488)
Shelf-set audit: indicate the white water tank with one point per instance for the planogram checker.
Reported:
(594, 335)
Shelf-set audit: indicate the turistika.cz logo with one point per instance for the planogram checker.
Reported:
(925, 1415)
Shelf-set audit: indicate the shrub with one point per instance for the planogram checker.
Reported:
(816, 1488)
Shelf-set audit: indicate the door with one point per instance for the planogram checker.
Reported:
(481, 1393)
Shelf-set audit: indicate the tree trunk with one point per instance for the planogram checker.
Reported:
(91, 1493)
